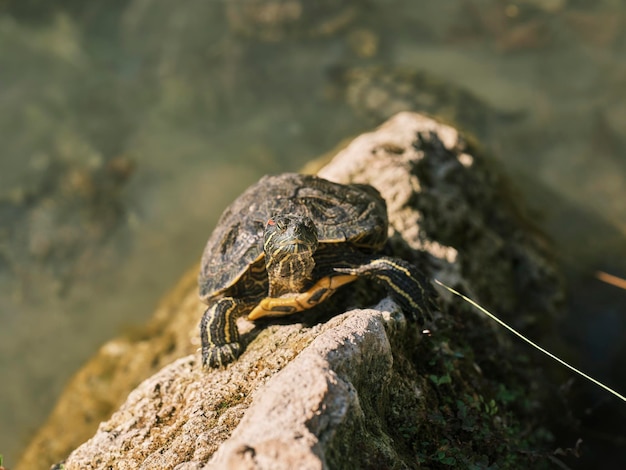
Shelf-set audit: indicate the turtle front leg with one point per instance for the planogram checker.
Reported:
(403, 281)
(292, 303)
(219, 333)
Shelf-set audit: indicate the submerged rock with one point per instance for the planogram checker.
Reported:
(364, 389)
(377, 93)
(58, 219)
(274, 20)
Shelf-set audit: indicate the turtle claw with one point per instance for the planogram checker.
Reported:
(220, 356)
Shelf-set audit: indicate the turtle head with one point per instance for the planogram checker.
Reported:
(289, 243)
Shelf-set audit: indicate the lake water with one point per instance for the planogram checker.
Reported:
(128, 125)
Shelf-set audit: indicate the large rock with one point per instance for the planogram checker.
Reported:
(364, 389)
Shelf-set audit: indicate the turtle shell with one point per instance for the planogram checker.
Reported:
(354, 214)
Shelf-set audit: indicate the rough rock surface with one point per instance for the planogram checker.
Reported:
(445, 198)
(363, 389)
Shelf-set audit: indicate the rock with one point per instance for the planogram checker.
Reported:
(309, 398)
(103, 384)
(376, 93)
(445, 198)
(364, 389)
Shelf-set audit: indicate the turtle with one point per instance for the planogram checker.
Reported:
(285, 245)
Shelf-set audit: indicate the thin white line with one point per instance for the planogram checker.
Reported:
(515, 332)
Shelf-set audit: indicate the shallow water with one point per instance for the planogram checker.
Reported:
(128, 126)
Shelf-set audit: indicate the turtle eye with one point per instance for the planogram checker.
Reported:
(277, 222)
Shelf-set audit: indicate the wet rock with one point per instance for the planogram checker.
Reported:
(365, 389)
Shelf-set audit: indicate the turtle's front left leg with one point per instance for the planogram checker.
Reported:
(403, 281)
(219, 333)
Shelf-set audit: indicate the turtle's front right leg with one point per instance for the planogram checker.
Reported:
(219, 333)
